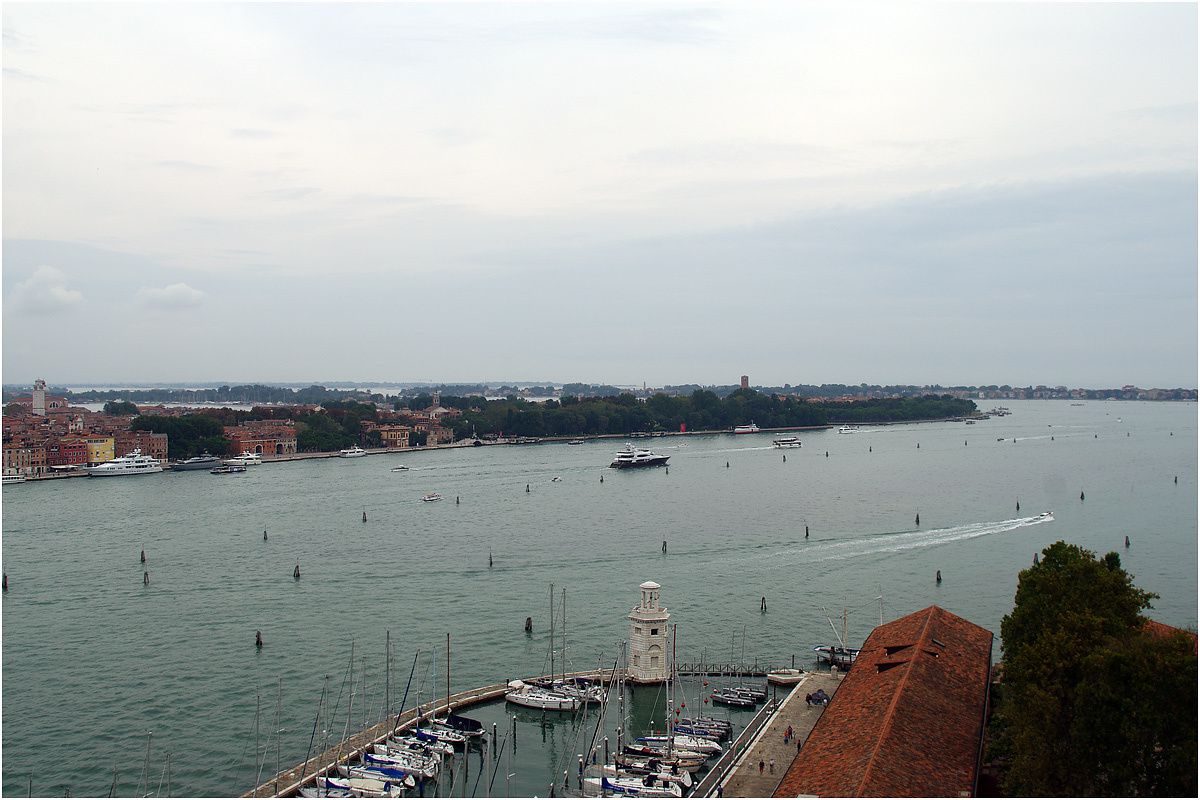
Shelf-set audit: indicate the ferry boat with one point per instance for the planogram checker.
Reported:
(13, 479)
(432, 497)
(246, 459)
(630, 456)
(786, 442)
(848, 429)
(202, 461)
(352, 452)
(227, 469)
(751, 428)
(130, 464)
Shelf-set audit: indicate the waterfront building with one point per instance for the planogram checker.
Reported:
(265, 437)
(907, 720)
(101, 449)
(151, 444)
(67, 452)
(393, 435)
(648, 637)
(24, 460)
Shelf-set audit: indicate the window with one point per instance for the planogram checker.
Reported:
(637, 630)
(654, 631)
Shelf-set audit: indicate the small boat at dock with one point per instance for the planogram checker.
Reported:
(785, 677)
(530, 696)
(352, 452)
(751, 428)
(246, 459)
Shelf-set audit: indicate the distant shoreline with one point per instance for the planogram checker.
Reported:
(470, 443)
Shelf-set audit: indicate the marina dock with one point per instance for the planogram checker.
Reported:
(741, 778)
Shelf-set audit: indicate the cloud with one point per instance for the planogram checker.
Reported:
(177, 295)
(45, 292)
(252, 133)
(190, 166)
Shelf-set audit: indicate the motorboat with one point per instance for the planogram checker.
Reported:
(785, 677)
(246, 459)
(352, 452)
(630, 456)
(848, 429)
(1046, 514)
(524, 694)
(399, 468)
(228, 469)
(751, 428)
(757, 695)
(432, 497)
(202, 461)
(13, 479)
(575, 441)
(786, 442)
(841, 657)
(130, 464)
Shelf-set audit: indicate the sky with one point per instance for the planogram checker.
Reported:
(954, 193)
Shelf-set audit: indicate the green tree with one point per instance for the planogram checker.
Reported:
(1091, 703)
(120, 408)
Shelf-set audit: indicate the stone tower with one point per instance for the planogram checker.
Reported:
(648, 637)
(39, 397)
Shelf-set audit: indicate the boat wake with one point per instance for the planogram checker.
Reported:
(912, 540)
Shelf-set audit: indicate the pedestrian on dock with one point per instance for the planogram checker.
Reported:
(772, 766)
(720, 790)
(761, 764)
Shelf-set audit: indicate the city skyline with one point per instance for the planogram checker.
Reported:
(616, 193)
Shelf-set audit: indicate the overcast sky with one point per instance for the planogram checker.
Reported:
(670, 193)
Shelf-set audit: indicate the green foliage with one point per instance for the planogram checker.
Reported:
(418, 438)
(120, 408)
(337, 426)
(1092, 705)
(187, 436)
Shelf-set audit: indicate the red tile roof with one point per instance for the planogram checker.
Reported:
(1162, 631)
(907, 720)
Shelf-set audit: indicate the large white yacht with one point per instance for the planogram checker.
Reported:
(630, 456)
(246, 459)
(131, 464)
(848, 429)
(751, 428)
(352, 452)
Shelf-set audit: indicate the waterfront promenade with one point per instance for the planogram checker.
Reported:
(743, 778)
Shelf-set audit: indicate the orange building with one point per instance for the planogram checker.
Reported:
(265, 437)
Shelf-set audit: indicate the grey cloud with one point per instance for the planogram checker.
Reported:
(45, 292)
(175, 296)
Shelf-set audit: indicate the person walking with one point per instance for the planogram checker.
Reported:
(772, 766)
(761, 764)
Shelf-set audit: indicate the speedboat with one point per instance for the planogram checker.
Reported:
(131, 464)
(202, 461)
(847, 429)
(432, 497)
(352, 452)
(575, 441)
(751, 428)
(785, 677)
(630, 456)
(399, 468)
(1046, 514)
(841, 657)
(246, 459)
(786, 441)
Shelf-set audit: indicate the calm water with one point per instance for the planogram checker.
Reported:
(93, 660)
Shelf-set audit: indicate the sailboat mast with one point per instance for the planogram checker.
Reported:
(552, 632)
(564, 636)
(845, 632)
(447, 676)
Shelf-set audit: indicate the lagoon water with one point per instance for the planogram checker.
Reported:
(92, 659)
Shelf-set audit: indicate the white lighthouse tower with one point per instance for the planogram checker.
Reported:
(648, 637)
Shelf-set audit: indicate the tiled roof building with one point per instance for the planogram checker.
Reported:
(907, 720)
(1162, 631)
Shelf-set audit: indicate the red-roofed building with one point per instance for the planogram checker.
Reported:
(1163, 631)
(908, 719)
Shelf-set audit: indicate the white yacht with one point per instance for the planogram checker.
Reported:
(246, 459)
(630, 456)
(787, 442)
(132, 464)
(522, 694)
(751, 428)
(352, 452)
(847, 429)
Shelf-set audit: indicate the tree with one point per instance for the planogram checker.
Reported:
(120, 408)
(1091, 703)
